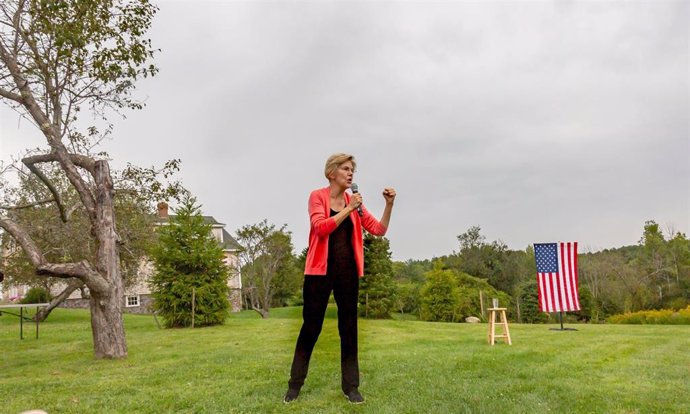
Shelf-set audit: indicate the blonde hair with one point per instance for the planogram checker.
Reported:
(335, 161)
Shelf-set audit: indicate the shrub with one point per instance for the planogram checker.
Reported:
(657, 317)
(439, 296)
(36, 295)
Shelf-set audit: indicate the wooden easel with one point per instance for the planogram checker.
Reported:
(503, 322)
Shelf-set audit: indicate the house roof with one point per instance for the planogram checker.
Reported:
(228, 243)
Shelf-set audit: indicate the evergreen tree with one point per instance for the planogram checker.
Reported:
(529, 304)
(189, 258)
(377, 289)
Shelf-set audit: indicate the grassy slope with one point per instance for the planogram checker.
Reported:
(407, 367)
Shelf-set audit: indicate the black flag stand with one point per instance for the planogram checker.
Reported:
(560, 318)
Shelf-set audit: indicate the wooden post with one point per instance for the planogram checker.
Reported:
(481, 304)
(36, 322)
(193, 303)
(366, 305)
(155, 318)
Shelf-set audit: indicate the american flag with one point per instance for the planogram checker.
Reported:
(557, 276)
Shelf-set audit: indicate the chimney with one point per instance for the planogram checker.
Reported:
(163, 210)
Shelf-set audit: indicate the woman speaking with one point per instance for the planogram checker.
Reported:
(335, 262)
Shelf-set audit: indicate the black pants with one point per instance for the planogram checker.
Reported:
(317, 290)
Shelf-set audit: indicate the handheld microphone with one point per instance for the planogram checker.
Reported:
(355, 190)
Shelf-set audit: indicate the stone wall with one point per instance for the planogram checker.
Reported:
(145, 306)
(75, 303)
(235, 299)
(146, 303)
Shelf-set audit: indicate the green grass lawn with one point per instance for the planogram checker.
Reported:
(406, 367)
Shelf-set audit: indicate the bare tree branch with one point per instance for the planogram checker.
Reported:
(72, 209)
(11, 96)
(59, 298)
(23, 206)
(81, 270)
(79, 160)
(56, 195)
(50, 133)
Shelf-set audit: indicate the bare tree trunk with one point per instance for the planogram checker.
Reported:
(106, 306)
(256, 303)
(107, 326)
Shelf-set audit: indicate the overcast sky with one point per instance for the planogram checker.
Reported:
(537, 120)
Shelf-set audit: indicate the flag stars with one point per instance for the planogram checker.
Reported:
(546, 255)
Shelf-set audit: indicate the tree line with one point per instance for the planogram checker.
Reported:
(654, 274)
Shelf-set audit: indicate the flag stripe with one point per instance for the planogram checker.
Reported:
(573, 278)
(561, 293)
(552, 291)
(547, 291)
(565, 275)
(540, 291)
(557, 278)
(569, 275)
(543, 291)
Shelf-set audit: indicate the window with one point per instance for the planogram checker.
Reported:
(131, 301)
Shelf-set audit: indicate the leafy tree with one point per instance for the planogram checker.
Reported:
(471, 254)
(377, 290)
(407, 298)
(411, 270)
(469, 288)
(649, 275)
(300, 261)
(666, 264)
(490, 261)
(189, 265)
(58, 57)
(653, 257)
(439, 296)
(679, 256)
(265, 251)
(287, 282)
(588, 309)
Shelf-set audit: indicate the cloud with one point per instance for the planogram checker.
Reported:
(536, 120)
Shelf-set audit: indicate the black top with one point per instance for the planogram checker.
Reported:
(341, 254)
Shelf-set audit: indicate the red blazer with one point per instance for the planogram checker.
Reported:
(322, 225)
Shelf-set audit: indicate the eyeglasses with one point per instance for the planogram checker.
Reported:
(347, 169)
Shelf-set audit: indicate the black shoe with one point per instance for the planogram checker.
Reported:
(291, 395)
(354, 397)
